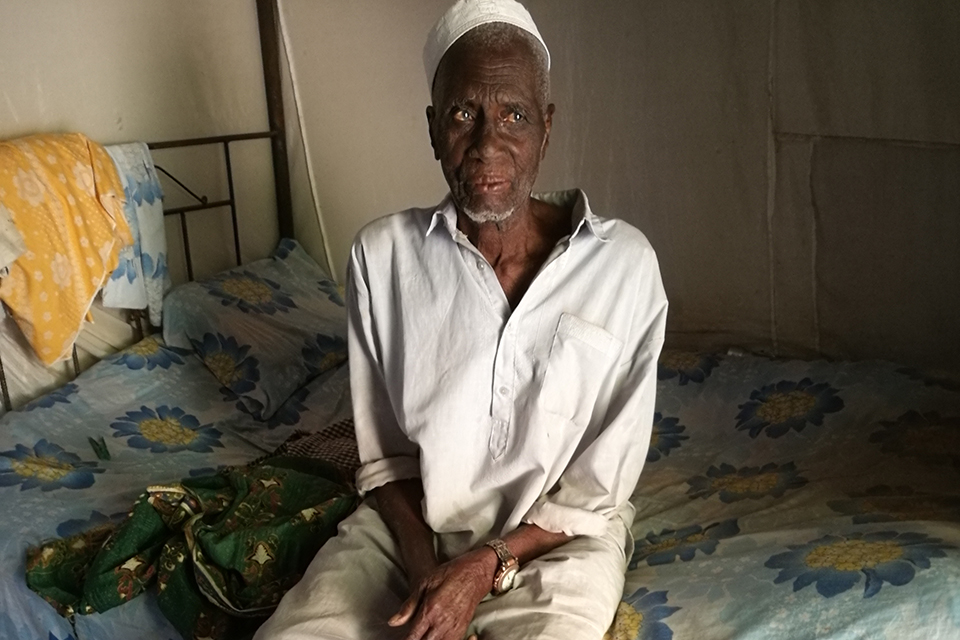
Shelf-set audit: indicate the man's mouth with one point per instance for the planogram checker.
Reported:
(489, 185)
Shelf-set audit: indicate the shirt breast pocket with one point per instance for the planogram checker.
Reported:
(580, 359)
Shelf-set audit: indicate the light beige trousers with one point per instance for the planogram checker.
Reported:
(356, 582)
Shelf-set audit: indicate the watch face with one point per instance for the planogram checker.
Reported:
(506, 583)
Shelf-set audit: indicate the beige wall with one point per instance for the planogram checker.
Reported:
(866, 221)
(359, 75)
(794, 162)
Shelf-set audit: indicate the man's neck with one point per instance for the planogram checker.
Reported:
(517, 247)
(528, 227)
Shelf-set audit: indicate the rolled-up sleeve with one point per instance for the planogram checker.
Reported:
(597, 484)
(386, 454)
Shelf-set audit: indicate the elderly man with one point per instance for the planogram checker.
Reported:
(503, 361)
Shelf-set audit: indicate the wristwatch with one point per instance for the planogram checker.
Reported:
(507, 569)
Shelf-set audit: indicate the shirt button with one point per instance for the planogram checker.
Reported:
(480, 265)
(503, 391)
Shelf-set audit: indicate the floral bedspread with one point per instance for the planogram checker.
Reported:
(796, 500)
(79, 457)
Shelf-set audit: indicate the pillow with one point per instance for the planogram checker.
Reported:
(263, 329)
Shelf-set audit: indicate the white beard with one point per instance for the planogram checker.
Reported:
(481, 217)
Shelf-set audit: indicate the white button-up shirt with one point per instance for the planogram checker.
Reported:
(540, 414)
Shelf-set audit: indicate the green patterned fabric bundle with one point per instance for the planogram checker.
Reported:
(221, 549)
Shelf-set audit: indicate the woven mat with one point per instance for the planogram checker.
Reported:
(335, 444)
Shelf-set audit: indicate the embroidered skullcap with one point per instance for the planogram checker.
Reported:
(465, 15)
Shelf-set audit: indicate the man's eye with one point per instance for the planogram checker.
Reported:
(515, 116)
(461, 115)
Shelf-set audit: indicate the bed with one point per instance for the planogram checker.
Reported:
(74, 461)
(779, 498)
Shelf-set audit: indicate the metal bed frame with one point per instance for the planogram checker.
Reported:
(267, 19)
(203, 202)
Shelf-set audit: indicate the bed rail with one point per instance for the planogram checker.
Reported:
(204, 203)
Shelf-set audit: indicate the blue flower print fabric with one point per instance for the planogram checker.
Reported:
(800, 500)
(45, 465)
(667, 435)
(166, 430)
(142, 276)
(61, 395)
(777, 408)
(732, 484)
(640, 616)
(149, 352)
(263, 329)
(835, 562)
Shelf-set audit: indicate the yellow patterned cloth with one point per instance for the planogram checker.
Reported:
(66, 199)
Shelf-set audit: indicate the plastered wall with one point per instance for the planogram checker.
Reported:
(866, 216)
(794, 162)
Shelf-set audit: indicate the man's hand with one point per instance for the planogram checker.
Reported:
(444, 598)
(441, 604)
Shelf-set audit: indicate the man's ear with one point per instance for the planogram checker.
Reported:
(547, 126)
(431, 113)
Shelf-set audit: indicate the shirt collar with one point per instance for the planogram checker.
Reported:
(445, 214)
(582, 219)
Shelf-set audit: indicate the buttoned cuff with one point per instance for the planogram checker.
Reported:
(569, 520)
(380, 472)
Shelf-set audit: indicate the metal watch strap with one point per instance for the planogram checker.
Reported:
(500, 548)
(507, 567)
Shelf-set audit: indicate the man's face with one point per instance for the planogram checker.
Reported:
(488, 127)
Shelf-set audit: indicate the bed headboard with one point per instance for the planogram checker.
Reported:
(204, 203)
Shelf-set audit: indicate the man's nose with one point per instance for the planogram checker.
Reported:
(487, 137)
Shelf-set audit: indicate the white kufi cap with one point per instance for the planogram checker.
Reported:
(465, 15)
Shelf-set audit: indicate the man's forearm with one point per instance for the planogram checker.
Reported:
(528, 542)
(399, 504)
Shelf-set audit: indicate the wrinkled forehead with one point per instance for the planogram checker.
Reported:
(495, 52)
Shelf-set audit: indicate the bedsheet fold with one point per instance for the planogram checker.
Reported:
(141, 277)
